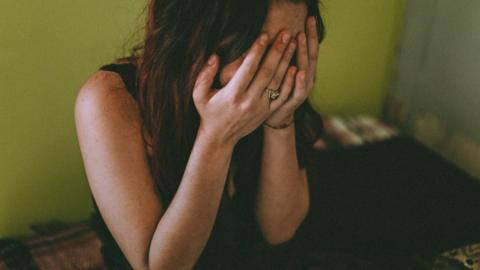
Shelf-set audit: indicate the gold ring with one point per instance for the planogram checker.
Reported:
(272, 94)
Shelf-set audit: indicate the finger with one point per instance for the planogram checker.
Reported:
(205, 78)
(286, 89)
(276, 82)
(300, 92)
(312, 36)
(302, 52)
(313, 45)
(249, 66)
(269, 65)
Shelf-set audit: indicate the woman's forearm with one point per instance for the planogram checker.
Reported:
(185, 227)
(283, 196)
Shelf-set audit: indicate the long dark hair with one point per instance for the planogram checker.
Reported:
(179, 37)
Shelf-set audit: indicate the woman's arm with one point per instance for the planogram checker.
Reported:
(109, 131)
(283, 196)
(150, 236)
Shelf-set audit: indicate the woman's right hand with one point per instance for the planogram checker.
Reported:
(241, 106)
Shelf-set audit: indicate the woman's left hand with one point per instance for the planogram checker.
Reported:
(300, 82)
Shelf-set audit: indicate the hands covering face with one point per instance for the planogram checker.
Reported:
(243, 104)
(298, 81)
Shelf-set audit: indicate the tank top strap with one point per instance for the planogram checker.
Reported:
(127, 72)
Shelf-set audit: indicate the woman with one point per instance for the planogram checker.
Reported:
(206, 164)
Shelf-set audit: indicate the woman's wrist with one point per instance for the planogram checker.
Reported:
(284, 124)
(215, 139)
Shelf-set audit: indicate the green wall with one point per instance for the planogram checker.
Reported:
(355, 61)
(49, 48)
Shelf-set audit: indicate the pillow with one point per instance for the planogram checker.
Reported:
(55, 245)
(463, 258)
(349, 131)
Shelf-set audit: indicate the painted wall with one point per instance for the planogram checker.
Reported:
(355, 61)
(435, 92)
(48, 49)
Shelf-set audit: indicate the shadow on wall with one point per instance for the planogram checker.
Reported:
(434, 94)
(452, 145)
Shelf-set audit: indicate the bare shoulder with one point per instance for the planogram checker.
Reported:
(108, 126)
(106, 91)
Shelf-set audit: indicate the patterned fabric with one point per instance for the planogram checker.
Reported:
(343, 131)
(463, 258)
(55, 246)
(61, 246)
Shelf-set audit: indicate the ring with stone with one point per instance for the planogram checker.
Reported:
(272, 94)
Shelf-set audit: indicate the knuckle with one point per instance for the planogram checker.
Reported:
(295, 96)
(303, 47)
(260, 46)
(268, 71)
(206, 71)
(298, 99)
(198, 81)
(251, 69)
(284, 98)
(259, 49)
(232, 100)
(196, 96)
(291, 80)
(290, 52)
(196, 93)
(276, 82)
(246, 106)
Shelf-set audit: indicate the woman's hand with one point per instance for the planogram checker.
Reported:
(242, 105)
(307, 55)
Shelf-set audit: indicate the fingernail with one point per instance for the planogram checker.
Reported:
(285, 37)
(313, 21)
(302, 76)
(293, 69)
(292, 46)
(303, 38)
(263, 39)
(211, 60)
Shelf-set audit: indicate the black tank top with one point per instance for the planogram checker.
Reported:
(235, 241)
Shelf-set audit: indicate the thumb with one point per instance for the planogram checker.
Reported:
(205, 78)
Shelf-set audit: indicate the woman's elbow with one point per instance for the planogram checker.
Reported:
(284, 231)
(279, 238)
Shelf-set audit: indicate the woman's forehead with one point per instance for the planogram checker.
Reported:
(284, 15)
